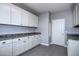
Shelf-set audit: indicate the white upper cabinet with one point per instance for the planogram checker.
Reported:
(15, 15)
(24, 18)
(76, 15)
(4, 13)
(29, 19)
(33, 20)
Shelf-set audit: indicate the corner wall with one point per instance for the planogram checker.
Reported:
(44, 27)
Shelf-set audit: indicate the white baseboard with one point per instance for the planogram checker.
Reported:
(61, 45)
(44, 44)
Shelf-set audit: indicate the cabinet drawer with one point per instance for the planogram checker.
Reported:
(24, 38)
(31, 37)
(17, 40)
(37, 36)
(4, 42)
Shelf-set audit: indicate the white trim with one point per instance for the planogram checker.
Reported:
(60, 45)
(44, 44)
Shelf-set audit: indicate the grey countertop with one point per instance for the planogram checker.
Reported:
(72, 36)
(17, 35)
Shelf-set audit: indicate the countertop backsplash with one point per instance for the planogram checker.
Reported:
(18, 35)
(11, 29)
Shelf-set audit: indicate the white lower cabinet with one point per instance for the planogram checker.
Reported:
(15, 49)
(25, 43)
(6, 48)
(73, 47)
(34, 40)
(37, 39)
(31, 38)
(19, 45)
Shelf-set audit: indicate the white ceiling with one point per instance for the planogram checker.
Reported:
(51, 7)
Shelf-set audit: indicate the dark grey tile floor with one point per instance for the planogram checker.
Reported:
(52, 50)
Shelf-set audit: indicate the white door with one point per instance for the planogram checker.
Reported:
(58, 32)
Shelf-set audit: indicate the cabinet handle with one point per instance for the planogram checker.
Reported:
(3, 42)
(24, 41)
(19, 39)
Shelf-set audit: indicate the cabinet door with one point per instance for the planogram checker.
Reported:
(73, 47)
(26, 43)
(6, 48)
(4, 13)
(35, 21)
(77, 14)
(37, 39)
(15, 15)
(34, 41)
(74, 16)
(25, 18)
(31, 39)
(15, 49)
(31, 20)
(18, 47)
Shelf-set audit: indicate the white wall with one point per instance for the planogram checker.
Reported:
(69, 29)
(67, 15)
(44, 27)
(44, 23)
